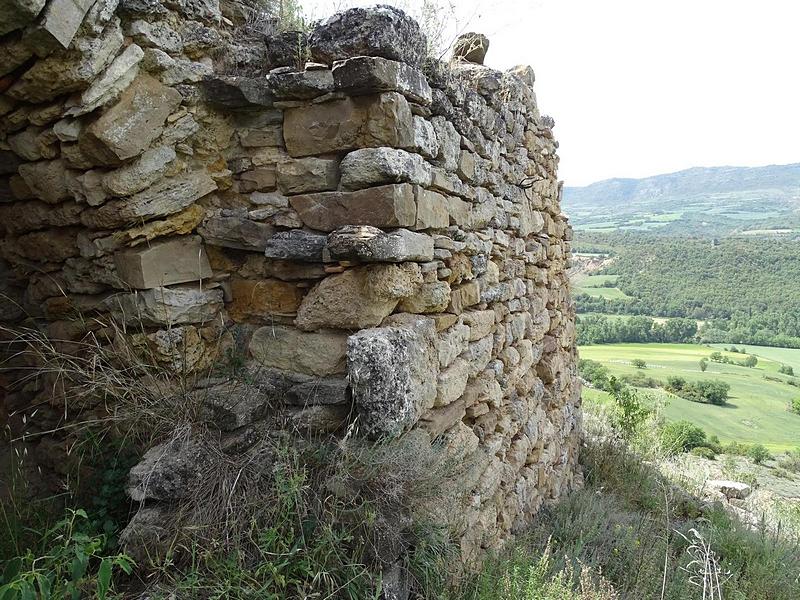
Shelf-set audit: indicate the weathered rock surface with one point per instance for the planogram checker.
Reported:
(320, 353)
(170, 195)
(168, 471)
(233, 231)
(369, 75)
(731, 489)
(369, 244)
(179, 260)
(167, 306)
(358, 298)
(18, 13)
(377, 166)
(348, 124)
(391, 372)
(297, 245)
(471, 47)
(127, 128)
(143, 172)
(380, 31)
(384, 206)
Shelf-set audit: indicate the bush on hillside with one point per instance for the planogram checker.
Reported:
(786, 370)
(704, 452)
(682, 436)
(794, 406)
(758, 454)
(639, 363)
(705, 391)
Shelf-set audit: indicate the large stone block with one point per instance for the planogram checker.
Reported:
(432, 297)
(127, 128)
(298, 245)
(370, 74)
(262, 299)
(392, 375)
(321, 353)
(376, 31)
(369, 244)
(432, 209)
(384, 206)
(377, 166)
(168, 196)
(47, 180)
(178, 305)
(18, 13)
(58, 25)
(179, 260)
(65, 72)
(111, 83)
(139, 174)
(358, 298)
(305, 175)
(348, 124)
(234, 231)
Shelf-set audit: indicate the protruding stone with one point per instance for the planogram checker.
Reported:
(111, 83)
(170, 195)
(141, 173)
(464, 296)
(348, 124)
(378, 31)
(179, 260)
(296, 245)
(237, 92)
(303, 85)
(15, 14)
(155, 34)
(358, 298)
(377, 166)
(392, 375)
(385, 206)
(46, 180)
(471, 47)
(372, 74)
(58, 25)
(237, 232)
(369, 244)
(321, 353)
(168, 471)
(128, 127)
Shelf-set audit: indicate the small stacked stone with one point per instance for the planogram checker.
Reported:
(378, 232)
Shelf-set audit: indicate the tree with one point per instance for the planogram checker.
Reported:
(703, 364)
(751, 361)
(639, 363)
(682, 436)
(630, 412)
(786, 370)
(716, 357)
(758, 454)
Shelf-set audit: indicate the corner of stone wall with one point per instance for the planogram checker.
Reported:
(378, 233)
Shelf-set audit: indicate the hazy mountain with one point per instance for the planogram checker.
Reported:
(713, 200)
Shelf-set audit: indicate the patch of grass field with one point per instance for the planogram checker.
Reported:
(785, 356)
(756, 411)
(593, 286)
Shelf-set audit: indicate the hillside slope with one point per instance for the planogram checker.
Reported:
(715, 200)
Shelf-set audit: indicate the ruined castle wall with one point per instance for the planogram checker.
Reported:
(378, 232)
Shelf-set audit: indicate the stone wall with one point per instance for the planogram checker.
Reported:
(378, 233)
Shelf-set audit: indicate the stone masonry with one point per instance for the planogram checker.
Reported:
(377, 232)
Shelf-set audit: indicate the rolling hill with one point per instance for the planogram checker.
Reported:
(700, 201)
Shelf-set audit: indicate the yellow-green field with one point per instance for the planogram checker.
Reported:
(757, 408)
(593, 286)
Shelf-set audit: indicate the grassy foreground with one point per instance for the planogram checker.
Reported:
(757, 409)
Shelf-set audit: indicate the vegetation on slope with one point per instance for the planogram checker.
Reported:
(746, 289)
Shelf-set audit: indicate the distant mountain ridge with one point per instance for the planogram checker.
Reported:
(735, 198)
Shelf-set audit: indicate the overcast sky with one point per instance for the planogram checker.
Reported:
(642, 87)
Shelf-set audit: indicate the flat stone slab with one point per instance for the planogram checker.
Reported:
(370, 244)
(371, 74)
(179, 260)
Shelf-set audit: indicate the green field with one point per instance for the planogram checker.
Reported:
(593, 286)
(756, 411)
